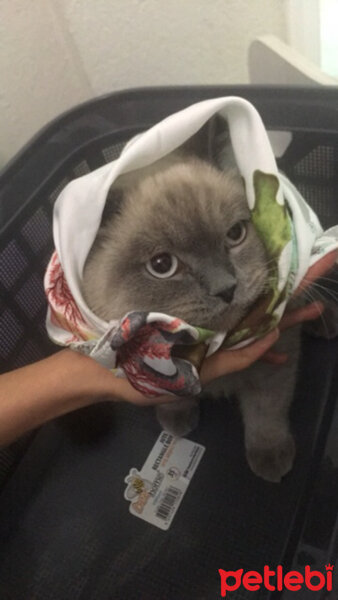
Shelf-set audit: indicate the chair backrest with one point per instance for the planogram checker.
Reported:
(93, 134)
(271, 61)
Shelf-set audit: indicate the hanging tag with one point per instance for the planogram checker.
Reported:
(156, 491)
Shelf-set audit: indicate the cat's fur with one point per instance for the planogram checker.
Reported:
(186, 208)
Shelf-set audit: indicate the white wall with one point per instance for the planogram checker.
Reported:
(303, 30)
(56, 53)
(329, 37)
(39, 76)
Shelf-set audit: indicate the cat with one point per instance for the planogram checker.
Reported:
(178, 239)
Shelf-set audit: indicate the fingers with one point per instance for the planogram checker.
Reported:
(317, 270)
(299, 315)
(221, 363)
(275, 358)
(305, 313)
(224, 362)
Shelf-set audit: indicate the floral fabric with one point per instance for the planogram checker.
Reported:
(160, 353)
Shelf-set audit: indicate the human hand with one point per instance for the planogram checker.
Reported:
(309, 312)
(68, 380)
(221, 363)
(224, 362)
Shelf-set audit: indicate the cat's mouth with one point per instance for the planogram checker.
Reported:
(225, 317)
(222, 319)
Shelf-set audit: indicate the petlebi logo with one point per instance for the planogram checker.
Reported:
(277, 580)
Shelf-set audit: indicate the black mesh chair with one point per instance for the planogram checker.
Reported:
(65, 529)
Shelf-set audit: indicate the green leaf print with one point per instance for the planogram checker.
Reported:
(272, 223)
(204, 334)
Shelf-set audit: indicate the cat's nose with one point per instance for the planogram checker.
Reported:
(227, 293)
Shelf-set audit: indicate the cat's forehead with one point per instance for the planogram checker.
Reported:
(186, 203)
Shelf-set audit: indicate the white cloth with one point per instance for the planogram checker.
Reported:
(78, 211)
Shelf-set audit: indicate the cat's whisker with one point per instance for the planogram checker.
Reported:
(326, 290)
(311, 282)
(330, 279)
(257, 274)
(309, 296)
(317, 287)
(270, 262)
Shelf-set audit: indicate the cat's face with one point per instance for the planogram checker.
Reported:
(182, 244)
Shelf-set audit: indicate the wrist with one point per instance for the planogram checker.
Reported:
(85, 378)
(42, 391)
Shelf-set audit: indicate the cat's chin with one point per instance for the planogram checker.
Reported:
(223, 321)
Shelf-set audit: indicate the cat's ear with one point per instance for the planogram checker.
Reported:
(212, 144)
(113, 204)
(221, 151)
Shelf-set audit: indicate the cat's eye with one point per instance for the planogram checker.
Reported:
(162, 265)
(237, 233)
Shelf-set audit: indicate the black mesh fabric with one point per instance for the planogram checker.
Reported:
(24, 258)
(66, 532)
(23, 262)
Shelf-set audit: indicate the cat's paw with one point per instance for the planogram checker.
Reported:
(274, 461)
(178, 420)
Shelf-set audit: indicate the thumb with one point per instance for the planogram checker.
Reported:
(224, 362)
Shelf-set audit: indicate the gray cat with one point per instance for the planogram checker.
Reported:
(179, 240)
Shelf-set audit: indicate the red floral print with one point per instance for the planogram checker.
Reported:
(64, 311)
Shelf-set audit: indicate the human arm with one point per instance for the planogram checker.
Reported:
(68, 380)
